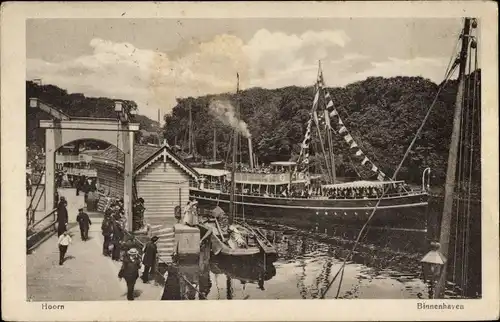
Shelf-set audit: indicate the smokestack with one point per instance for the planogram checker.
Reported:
(250, 153)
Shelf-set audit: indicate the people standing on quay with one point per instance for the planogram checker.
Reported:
(63, 243)
(116, 240)
(149, 258)
(107, 232)
(130, 271)
(84, 221)
(29, 187)
(62, 216)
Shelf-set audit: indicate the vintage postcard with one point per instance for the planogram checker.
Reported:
(249, 161)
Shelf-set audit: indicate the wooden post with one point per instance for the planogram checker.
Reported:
(444, 239)
(128, 173)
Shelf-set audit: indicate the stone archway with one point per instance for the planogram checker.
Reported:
(112, 131)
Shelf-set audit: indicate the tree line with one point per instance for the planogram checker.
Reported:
(382, 114)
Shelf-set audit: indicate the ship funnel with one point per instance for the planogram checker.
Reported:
(250, 152)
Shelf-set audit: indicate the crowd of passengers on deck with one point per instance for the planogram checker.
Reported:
(313, 192)
(263, 169)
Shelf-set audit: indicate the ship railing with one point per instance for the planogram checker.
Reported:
(315, 197)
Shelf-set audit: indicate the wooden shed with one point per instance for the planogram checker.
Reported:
(161, 178)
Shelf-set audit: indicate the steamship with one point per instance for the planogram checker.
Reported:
(288, 191)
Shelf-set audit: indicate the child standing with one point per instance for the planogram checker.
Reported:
(63, 242)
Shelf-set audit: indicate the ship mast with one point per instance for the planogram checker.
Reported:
(331, 156)
(444, 239)
(315, 116)
(235, 146)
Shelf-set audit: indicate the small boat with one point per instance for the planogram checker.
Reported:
(237, 239)
(244, 273)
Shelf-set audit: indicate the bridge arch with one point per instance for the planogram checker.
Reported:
(61, 132)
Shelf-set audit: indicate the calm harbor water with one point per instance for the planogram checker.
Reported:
(304, 269)
(385, 265)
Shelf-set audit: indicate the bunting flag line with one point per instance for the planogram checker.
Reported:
(332, 112)
(315, 116)
(327, 120)
(316, 99)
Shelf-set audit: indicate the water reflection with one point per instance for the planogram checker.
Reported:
(307, 263)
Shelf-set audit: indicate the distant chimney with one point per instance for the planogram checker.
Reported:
(250, 153)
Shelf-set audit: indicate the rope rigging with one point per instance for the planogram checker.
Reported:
(465, 169)
(384, 191)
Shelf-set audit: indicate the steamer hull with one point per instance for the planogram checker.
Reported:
(405, 212)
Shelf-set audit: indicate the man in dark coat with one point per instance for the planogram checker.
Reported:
(29, 187)
(130, 271)
(172, 288)
(149, 259)
(116, 240)
(107, 231)
(84, 222)
(62, 216)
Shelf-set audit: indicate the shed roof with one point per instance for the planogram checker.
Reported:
(144, 155)
(112, 153)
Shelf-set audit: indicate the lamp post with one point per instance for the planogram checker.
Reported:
(432, 264)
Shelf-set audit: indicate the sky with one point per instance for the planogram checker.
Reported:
(155, 61)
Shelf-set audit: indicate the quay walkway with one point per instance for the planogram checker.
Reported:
(86, 275)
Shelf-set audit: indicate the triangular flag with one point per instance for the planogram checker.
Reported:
(342, 130)
(327, 95)
(327, 119)
(380, 177)
(334, 112)
(340, 121)
(348, 138)
(359, 152)
(316, 98)
(315, 116)
(374, 168)
(353, 145)
(330, 104)
(364, 161)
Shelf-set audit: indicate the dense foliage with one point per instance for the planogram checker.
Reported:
(74, 104)
(382, 114)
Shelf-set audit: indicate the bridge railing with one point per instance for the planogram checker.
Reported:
(41, 230)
